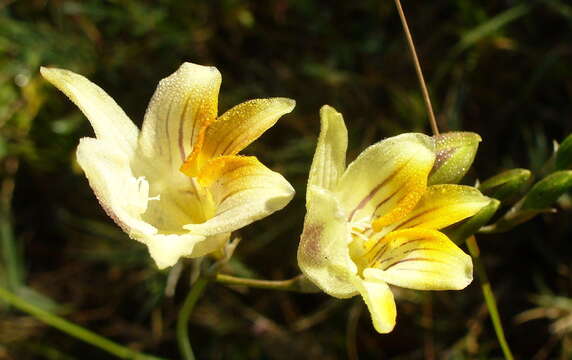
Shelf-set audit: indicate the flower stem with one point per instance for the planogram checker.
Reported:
(183, 319)
(489, 297)
(296, 284)
(71, 329)
(417, 65)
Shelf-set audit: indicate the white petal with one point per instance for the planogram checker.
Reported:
(236, 129)
(420, 259)
(387, 179)
(106, 117)
(380, 303)
(243, 191)
(241, 125)
(183, 105)
(329, 161)
(125, 198)
(167, 249)
(443, 205)
(210, 244)
(122, 195)
(323, 254)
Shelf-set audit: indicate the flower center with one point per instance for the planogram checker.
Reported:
(366, 243)
(175, 201)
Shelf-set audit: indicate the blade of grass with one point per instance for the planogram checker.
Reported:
(11, 260)
(11, 256)
(489, 297)
(71, 329)
(494, 24)
(476, 34)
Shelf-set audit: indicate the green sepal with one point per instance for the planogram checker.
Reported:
(461, 232)
(506, 185)
(564, 154)
(455, 152)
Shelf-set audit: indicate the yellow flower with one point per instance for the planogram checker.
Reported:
(376, 222)
(139, 176)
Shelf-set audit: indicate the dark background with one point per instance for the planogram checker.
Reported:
(499, 68)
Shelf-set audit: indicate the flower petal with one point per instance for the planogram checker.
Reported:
(237, 128)
(387, 179)
(106, 117)
(167, 249)
(444, 205)
(243, 191)
(210, 244)
(380, 303)
(125, 198)
(323, 254)
(419, 259)
(183, 105)
(329, 160)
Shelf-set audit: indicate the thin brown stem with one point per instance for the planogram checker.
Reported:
(424, 90)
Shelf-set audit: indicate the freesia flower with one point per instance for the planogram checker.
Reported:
(376, 222)
(178, 185)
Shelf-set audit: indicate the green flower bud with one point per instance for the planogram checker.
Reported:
(538, 200)
(506, 185)
(564, 154)
(455, 152)
(545, 192)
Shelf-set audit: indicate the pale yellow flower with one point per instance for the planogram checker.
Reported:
(138, 175)
(376, 222)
